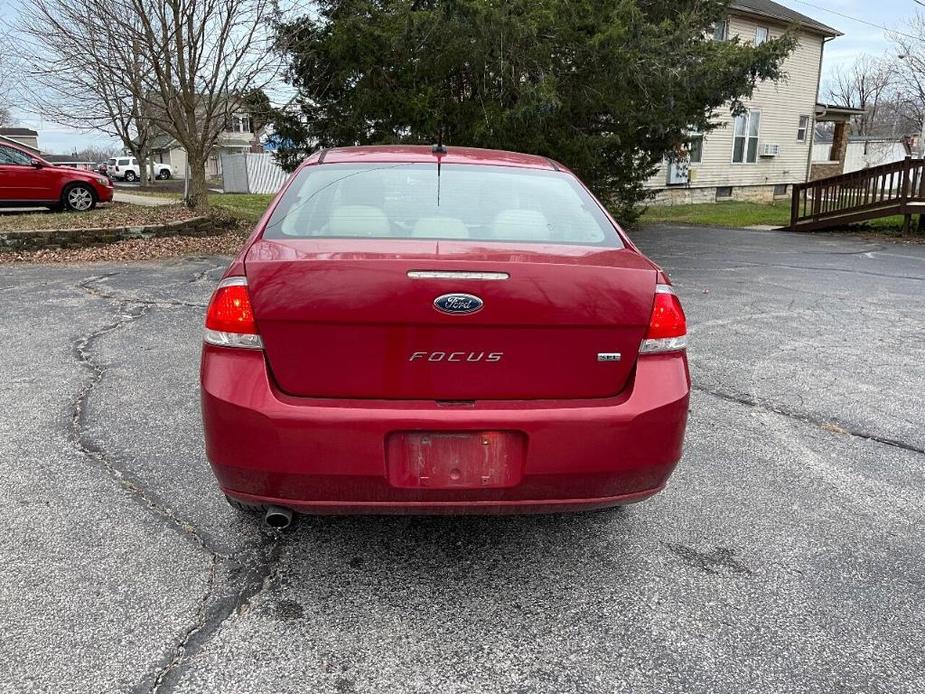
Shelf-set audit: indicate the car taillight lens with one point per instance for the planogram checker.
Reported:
(667, 326)
(230, 317)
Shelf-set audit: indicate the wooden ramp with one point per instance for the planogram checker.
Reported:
(880, 191)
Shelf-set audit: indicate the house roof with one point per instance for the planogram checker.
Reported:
(65, 159)
(12, 141)
(161, 142)
(18, 132)
(833, 113)
(773, 10)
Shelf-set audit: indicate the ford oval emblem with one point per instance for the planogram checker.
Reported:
(458, 304)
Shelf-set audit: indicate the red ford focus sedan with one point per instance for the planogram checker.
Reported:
(422, 330)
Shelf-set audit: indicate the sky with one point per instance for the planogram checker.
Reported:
(859, 20)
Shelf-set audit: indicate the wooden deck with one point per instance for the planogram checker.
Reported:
(880, 191)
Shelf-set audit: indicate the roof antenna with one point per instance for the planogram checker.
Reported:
(439, 148)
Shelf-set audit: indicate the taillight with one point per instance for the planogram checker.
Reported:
(667, 326)
(230, 317)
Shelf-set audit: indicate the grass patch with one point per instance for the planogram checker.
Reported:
(737, 214)
(247, 207)
(733, 213)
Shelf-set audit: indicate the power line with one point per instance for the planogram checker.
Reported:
(860, 21)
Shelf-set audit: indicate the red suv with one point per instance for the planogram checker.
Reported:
(418, 331)
(27, 180)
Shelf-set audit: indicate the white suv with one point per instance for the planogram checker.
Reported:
(126, 168)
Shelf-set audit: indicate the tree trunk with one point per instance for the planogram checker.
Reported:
(142, 166)
(197, 197)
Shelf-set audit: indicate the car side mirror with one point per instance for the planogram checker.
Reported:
(37, 163)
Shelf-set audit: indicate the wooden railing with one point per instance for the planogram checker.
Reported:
(880, 191)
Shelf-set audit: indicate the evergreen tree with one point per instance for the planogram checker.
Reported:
(607, 87)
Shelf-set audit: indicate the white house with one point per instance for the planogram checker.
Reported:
(23, 137)
(237, 138)
(758, 155)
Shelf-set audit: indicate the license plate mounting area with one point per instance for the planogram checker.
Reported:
(455, 459)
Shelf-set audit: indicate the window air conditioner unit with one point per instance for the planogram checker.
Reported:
(770, 150)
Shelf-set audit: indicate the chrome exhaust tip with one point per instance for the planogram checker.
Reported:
(277, 517)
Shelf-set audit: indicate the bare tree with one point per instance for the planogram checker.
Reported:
(864, 84)
(83, 74)
(206, 57)
(139, 68)
(7, 75)
(910, 71)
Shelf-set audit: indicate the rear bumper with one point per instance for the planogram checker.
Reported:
(329, 456)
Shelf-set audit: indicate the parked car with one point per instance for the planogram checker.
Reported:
(127, 169)
(478, 336)
(28, 180)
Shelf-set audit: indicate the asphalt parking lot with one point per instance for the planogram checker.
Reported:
(786, 554)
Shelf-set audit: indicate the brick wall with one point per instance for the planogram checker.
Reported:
(79, 238)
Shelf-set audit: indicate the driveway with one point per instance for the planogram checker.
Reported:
(786, 554)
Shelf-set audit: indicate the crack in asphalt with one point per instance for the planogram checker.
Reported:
(827, 424)
(87, 286)
(81, 439)
(250, 572)
(253, 579)
(720, 560)
(180, 649)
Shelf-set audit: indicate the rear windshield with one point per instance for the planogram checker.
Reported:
(407, 201)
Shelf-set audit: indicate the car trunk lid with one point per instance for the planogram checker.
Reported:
(356, 318)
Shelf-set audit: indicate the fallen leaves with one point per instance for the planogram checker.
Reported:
(112, 215)
(228, 243)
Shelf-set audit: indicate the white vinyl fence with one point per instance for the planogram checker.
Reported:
(863, 155)
(821, 152)
(252, 173)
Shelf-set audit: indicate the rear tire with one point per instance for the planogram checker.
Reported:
(78, 197)
(130, 177)
(243, 506)
(165, 175)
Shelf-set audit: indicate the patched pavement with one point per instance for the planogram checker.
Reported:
(785, 555)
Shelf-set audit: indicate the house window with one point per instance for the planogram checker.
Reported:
(745, 138)
(780, 190)
(723, 192)
(720, 30)
(761, 35)
(695, 147)
(802, 128)
(241, 124)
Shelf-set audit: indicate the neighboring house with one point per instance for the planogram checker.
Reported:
(23, 137)
(69, 160)
(238, 137)
(758, 155)
(29, 139)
